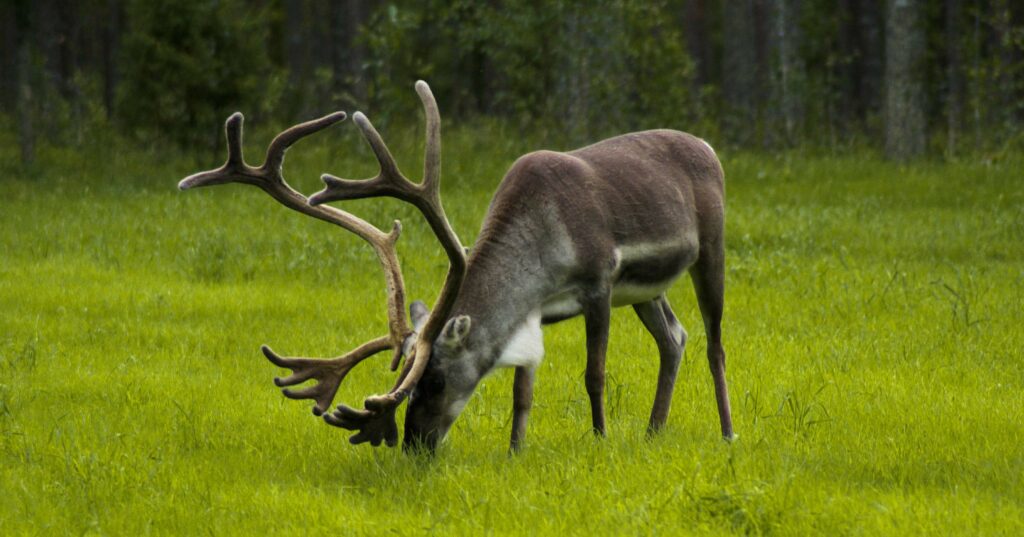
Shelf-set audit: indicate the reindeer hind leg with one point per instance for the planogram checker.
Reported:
(668, 333)
(708, 275)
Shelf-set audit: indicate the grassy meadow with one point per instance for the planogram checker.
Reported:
(874, 330)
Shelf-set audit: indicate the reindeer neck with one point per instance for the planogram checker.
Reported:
(504, 284)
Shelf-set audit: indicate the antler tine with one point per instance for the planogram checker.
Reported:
(281, 142)
(328, 373)
(432, 150)
(233, 132)
(388, 166)
(426, 196)
(389, 181)
(236, 170)
(429, 200)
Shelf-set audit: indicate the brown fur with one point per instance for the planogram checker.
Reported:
(652, 187)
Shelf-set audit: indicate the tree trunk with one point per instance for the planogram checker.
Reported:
(68, 62)
(9, 59)
(1005, 108)
(112, 28)
(297, 55)
(765, 63)
(904, 88)
(859, 66)
(847, 64)
(571, 99)
(870, 21)
(788, 77)
(340, 45)
(954, 74)
(358, 12)
(696, 24)
(66, 26)
(26, 130)
(739, 71)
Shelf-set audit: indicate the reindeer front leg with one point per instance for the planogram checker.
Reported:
(522, 401)
(597, 317)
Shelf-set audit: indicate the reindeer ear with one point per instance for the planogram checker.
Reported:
(418, 313)
(455, 331)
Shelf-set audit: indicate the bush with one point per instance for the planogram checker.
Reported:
(188, 65)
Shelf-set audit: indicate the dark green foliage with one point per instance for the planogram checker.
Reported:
(586, 69)
(743, 73)
(187, 65)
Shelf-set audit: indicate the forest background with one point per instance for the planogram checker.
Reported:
(907, 77)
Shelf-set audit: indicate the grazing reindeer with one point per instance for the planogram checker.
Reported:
(611, 224)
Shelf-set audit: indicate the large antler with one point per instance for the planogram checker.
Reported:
(377, 421)
(269, 178)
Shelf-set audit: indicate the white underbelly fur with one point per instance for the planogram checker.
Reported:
(566, 304)
(623, 294)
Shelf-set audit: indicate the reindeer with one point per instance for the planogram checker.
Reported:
(566, 234)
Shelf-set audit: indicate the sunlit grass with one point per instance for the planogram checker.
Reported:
(873, 329)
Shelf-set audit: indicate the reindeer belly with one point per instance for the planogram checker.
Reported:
(561, 306)
(642, 272)
(645, 271)
(625, 294)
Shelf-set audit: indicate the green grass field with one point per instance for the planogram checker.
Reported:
(874, 328)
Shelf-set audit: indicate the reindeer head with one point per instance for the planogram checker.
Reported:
(447, 384)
